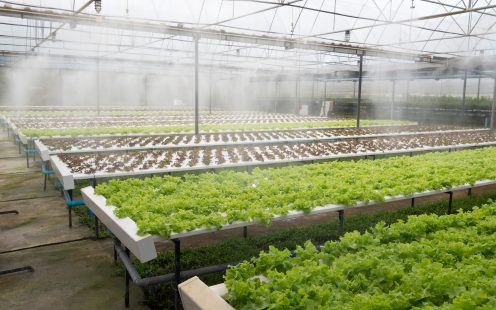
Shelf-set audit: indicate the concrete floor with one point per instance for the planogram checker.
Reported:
(71, 268)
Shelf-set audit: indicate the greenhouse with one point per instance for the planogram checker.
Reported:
(247, 154)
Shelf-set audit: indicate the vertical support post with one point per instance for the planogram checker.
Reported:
(392, 99)
(313, 90)
(278, 92)
(354, 89)
(61, 88)
(493, 106)
(478, 89)
(325, 90)
(298, 95)
(464, 94)
(128, 278)
(407, 91)
(33, 149)
(98, 86)
(245, 232)
(197, 109)
(145, 91)
(412, 203)
(450, 202)
(70, 216)
(69, 192)
(469, 193)
(97, 230)
(359, 102)
(117, 243)
(210, 93)
(177, 272)
(27, 153)
(341, 221)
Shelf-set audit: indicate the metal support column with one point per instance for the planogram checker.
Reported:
(313, 90)
(69, 192)
(298, 107)
(210, 93)
(450, 202)
(493, 106)
(464, 94)
(27, 153)
(341, 221)
(61, 88)
(97, 228)
(354, 89)
(359, 102)
(98, 87)
(392, 99)
(145, 91)
(177, 272)
(127, 279)
(197, 109)
(278, 92)
(407, 91)
(325, 90)
(478, 88)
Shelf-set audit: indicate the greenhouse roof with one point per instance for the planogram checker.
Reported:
(306, 35)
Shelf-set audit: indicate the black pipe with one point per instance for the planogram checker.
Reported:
(138, 280)
(450, 202)
(70, 215)
(16, 270)
(341, 220)
(177, 271)
(126, 295)
(97, 232)
(9, 212)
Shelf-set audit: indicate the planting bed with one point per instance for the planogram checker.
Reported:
(109, 163)
(82, 144)
(429, 261)
(127, 121)
(172, 207)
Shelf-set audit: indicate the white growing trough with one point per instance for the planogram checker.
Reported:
(143, 247)
(45, 152)
(67, 178)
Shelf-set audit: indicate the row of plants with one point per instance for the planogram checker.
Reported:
(428, 261)
(446, 102)
(236, 248)
(163, 205)
(32, 132)
(109, 112)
